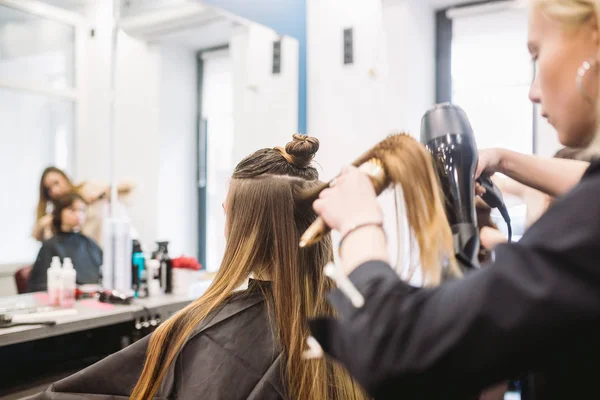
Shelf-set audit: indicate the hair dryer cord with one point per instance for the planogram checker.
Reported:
(506, 217)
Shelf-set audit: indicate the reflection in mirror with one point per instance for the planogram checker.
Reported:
(195, 90)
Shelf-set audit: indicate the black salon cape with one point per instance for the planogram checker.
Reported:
(535, 309)
(83, 251)
(232, 355)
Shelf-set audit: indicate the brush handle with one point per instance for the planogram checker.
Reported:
(315, 232)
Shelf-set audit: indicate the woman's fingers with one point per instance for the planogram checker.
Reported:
(347, 169)
(479, 190)
(490, 237)
(351, 199)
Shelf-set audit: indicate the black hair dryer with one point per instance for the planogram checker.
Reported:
(447, 134)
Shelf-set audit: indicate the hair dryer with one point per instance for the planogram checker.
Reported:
(447, 134)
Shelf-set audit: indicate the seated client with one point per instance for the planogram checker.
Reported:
(238, 342)
(68, 218)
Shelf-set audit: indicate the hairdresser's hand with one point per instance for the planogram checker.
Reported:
(491, 237)
(42, 227)
(489, 162)
(351, 201)
(92, 192)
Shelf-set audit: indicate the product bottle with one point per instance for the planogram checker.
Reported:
(68, 284)
(166, 267)
(54, 281)
(116, 268)
(153, 273)
(138, 270)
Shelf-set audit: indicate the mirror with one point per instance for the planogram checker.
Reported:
(195, 89)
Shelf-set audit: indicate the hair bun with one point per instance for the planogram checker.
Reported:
(302, 149)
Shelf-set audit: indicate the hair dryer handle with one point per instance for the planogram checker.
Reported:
(492, 196)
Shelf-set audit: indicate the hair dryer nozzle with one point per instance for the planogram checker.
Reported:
(443, 119)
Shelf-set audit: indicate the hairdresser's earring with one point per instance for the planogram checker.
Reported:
(581, 73)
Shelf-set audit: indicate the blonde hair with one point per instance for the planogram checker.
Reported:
(573, 14)
(569, 12)
(410, 170)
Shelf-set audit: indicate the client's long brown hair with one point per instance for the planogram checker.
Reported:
(265, 220)
(409, 168)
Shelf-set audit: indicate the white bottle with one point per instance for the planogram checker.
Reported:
(68, 284)
(117, 246)
(152, 274)
(54, 281)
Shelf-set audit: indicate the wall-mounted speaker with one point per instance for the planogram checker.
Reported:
(277, 57)
(348, 46)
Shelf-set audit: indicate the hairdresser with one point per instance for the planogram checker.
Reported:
(536, 308)
(54, 184)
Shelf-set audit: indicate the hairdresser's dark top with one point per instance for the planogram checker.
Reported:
(83, 251)
(535, 309)
(232, 355)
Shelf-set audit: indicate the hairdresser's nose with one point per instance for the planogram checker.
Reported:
(534, 91)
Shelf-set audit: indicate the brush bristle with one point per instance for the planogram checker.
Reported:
(391, 142)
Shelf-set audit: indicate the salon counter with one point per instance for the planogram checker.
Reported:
(40, 355)
(90, 314)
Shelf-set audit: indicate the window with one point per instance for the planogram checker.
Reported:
(491, 75)
(38, 104)
(217, 113)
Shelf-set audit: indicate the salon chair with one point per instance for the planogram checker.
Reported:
(22, 278)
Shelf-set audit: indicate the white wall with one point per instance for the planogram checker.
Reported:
(155, 130)
(136, 116)
(177, 185)
(495, 94)
(265, 105)
(138, 135)
(389, 86)
(156, 119)
(92, 141)
(246, 108)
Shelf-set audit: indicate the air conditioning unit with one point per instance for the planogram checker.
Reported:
(160, 23)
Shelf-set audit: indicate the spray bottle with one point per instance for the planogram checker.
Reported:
(68, 284)
(54, 281)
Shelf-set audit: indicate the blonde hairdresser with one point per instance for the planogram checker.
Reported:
(535, 310)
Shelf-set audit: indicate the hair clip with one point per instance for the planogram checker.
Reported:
(345, 285)
(314, 349)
